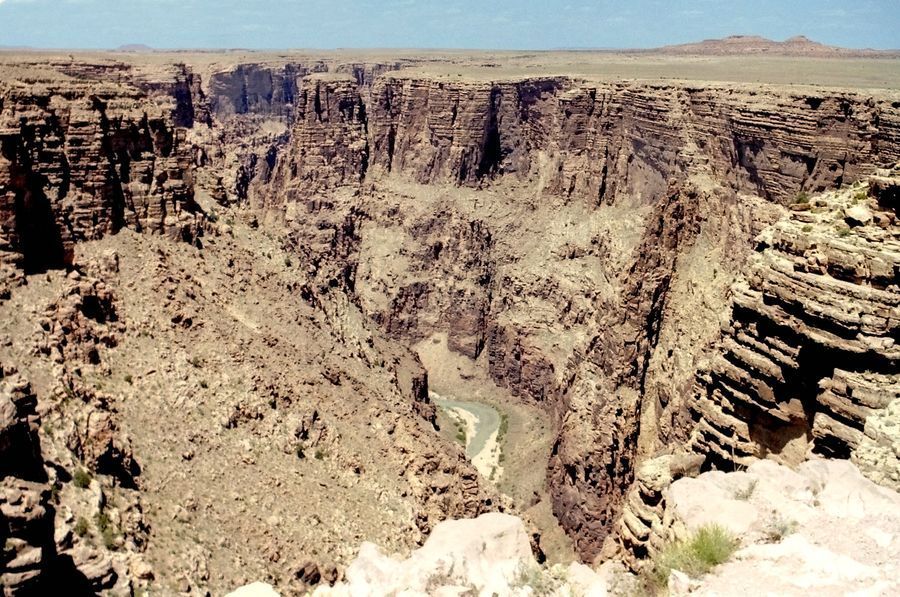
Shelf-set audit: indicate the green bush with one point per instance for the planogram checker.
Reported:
(801, 197)
(82, 526)
(708, 547)
(107, 532)
(81, 478)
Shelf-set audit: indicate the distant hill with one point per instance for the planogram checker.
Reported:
(754, 44)
(135, 48)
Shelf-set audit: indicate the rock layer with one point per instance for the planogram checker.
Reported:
(555, 228)
(809, 354)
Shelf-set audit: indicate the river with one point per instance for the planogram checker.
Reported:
(482, 426)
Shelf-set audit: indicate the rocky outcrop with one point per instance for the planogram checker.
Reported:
(878, 452)
(26, 516)
(821, 527)
(81, 324)
(487, 555)
(809, 353)
(642, 529)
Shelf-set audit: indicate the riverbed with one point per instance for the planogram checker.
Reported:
(481, 423)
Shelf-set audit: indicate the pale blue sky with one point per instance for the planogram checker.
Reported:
(488, 24)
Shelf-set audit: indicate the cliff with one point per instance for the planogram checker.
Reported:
(83, 160)
(580, 240)
(676, 164)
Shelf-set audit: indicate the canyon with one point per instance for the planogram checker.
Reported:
(229, 282)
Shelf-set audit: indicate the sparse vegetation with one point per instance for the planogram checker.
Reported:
(744, 493)
(82, 526)
(204, 384)
(779, 528)
(460, 432)
(843, 230)
(320, 454)
(801, 198)
(81, 478)
(708, 547)
(128, 379)
(106, 530)
(195, 361)
(807, 228)
(541, 581)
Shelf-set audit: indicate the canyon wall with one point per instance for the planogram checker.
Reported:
(675, 162)
(577, 237)
(80, 161)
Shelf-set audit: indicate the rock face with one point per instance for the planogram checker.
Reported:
(577, 238)
(597, 142)
(667, 151)
(786, 522)
(329, 146)
(80, 161)
(809, 355)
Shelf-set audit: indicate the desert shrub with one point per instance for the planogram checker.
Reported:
(779, 528)
(808, 228)
(129, 379)
(82, 526)
(744, 493)
(81, 478)
(107, 532)
(708, 547)
(843, 231)
(801, 197)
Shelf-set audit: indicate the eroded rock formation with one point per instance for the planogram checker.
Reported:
(578, 238)
(809, 353)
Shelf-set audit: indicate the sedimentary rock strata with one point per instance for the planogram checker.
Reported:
(582, 241)
(809, 353)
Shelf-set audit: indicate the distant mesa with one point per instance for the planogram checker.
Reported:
(799, 45)
(135, 48)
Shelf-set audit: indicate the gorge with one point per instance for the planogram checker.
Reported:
(229, 282)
